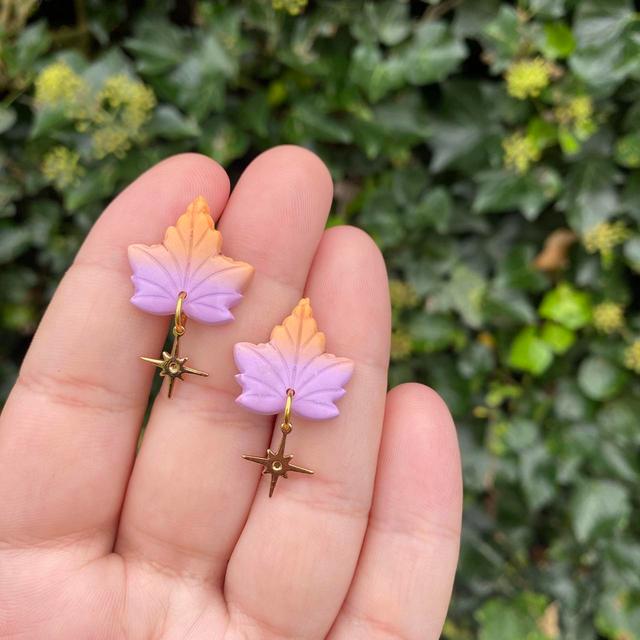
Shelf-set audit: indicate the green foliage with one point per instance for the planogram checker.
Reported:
(502, 619)
(492, 151)
(566, 306)
(530, 352)
(599, 507)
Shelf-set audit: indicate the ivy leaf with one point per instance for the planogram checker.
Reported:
(601, 21)
(434, 210)
(590, 196)
(13, 242)
(547, 8)
(222, 141)
(90, 188)
(502, 190)
(471, 18)
(632, 253)
(503, 36)
(32, 42)
(111, 63)
(7, 118)
(502, 619)
(598, 508)
(465, 294)
(537, 476)
(618, 614)
(168, 122)
(600, 379)
(605, 67)
(628, 151)
(157, 47)
(522, 433)
(558, 40)
(433, 54)
(374, 74)
(530, 353)
(464, 129)
(567, 306)
(435, 332)
(507, 306)
(387, 22)
(559, 338)
(402, 121)
(47, 120)
(309, 119)
(607, 52)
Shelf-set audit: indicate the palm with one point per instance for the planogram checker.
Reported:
(185, 543)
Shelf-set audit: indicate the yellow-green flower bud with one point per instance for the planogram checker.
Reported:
(59, 84)
(577, 114)
(632, 356)
(401, 345)
(293, 7)
(608, 317)
(605, 237)
(122, 106)
(61, 166)
(520, 152)
(527, 78)
(131, 98)
(403, 295)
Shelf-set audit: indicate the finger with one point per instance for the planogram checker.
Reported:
(403, 582)
(69, 429)
(301, 546)
(190, 490)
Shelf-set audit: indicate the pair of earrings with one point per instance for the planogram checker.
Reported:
(188, 277)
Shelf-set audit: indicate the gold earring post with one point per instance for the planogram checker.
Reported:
(171, 365)
(276, 463)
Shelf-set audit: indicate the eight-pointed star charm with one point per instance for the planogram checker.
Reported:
(172, 366)
(277, 464)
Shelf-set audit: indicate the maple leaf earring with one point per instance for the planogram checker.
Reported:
(291, 374)
(186, 276)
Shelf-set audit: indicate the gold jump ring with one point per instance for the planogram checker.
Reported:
(179, 317)
(286, 424)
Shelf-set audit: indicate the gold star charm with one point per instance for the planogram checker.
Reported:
(172, 366)
(277, 464)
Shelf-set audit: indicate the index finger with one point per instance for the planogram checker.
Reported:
(69, 429)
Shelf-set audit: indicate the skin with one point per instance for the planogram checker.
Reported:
(182, 541)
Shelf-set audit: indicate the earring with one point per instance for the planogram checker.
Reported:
(291, 374)
(186, 276)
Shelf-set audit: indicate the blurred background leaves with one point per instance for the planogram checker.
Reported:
(491, 149)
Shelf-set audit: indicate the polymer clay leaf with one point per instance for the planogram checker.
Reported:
(294, 358)
(188, 260)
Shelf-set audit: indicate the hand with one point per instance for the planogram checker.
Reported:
(182, 541)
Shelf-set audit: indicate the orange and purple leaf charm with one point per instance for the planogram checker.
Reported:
(188, 263)
(293, 359)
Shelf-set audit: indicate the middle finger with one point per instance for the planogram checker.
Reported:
(190, 490)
